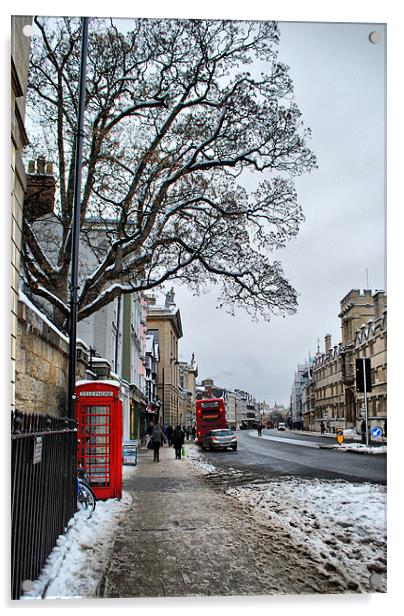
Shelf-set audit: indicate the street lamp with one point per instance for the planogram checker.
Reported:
(75, 230)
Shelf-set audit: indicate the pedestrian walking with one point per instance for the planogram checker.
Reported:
(178, 441)
(193, 432)
(157, 439)
(259, 428)
(188, 432)
(169, 435)
(322, 427)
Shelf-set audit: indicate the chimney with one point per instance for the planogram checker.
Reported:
(40, 165)
(39, 197)
(380, 302)
(327, 342)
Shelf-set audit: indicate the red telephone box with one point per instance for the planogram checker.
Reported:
(99, 450)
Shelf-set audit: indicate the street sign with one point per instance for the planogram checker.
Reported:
(37, 457)
(129, 452)
(376, 431)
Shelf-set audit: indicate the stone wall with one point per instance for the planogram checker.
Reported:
(42, 364)
(20, 48)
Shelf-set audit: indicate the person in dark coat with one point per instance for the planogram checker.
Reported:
(322, 427)
(169, 435)
(157, 438)
(178, 441)
(193, 432)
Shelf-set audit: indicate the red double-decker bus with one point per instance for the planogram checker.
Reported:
(210, 415)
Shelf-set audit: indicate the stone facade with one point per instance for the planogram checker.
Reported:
(164, 323)
(330, 395)
(371, 341)
(187, 388)
(328, 390)
(42, 364)
(20, 48)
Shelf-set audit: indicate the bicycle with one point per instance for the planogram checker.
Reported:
(86, 499)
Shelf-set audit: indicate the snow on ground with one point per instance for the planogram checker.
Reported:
(194, 457)
(354, 447)
(359, 448)
(81, 554)
(343, 525)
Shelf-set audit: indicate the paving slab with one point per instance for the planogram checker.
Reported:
(184, 537)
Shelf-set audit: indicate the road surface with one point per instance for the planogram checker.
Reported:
(293, 454)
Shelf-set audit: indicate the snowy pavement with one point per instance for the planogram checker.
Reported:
(81, 555)
(338, 527)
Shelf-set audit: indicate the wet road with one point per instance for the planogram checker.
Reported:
(295, 454)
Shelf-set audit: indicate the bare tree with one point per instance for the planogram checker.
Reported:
(174, 123)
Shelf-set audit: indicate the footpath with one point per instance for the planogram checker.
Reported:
(184, 537)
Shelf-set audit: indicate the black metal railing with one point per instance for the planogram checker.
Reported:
(43, 490)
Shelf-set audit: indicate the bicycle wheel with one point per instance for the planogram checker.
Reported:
(85, 497)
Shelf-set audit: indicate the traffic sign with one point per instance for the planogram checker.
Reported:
(376, 431)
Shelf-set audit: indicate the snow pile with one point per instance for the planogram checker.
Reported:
(75, 565)
(359, 448)
(194, 457)
(342, 525)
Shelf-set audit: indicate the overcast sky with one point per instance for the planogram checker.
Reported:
(339, 78)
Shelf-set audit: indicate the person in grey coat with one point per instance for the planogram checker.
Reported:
(157, 438)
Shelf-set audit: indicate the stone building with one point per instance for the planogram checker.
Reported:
(187, 389)
(232, 399)
(20, 49)
(328, 390)
(300, 380)
(152, 410)
(246, 408)
(164, 323)
(371, 341)
(330, 394)
(360, 313)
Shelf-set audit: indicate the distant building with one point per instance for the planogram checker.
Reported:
(300, 379)
(242, 410)
(153, 404)
(329, 394)
(188, 373)
(164, 323)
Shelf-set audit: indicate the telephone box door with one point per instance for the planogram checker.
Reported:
(99, 416)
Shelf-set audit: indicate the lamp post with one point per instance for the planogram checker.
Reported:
(75, 230)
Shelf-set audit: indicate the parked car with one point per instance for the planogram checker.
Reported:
(281, 426)
(219, 439)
